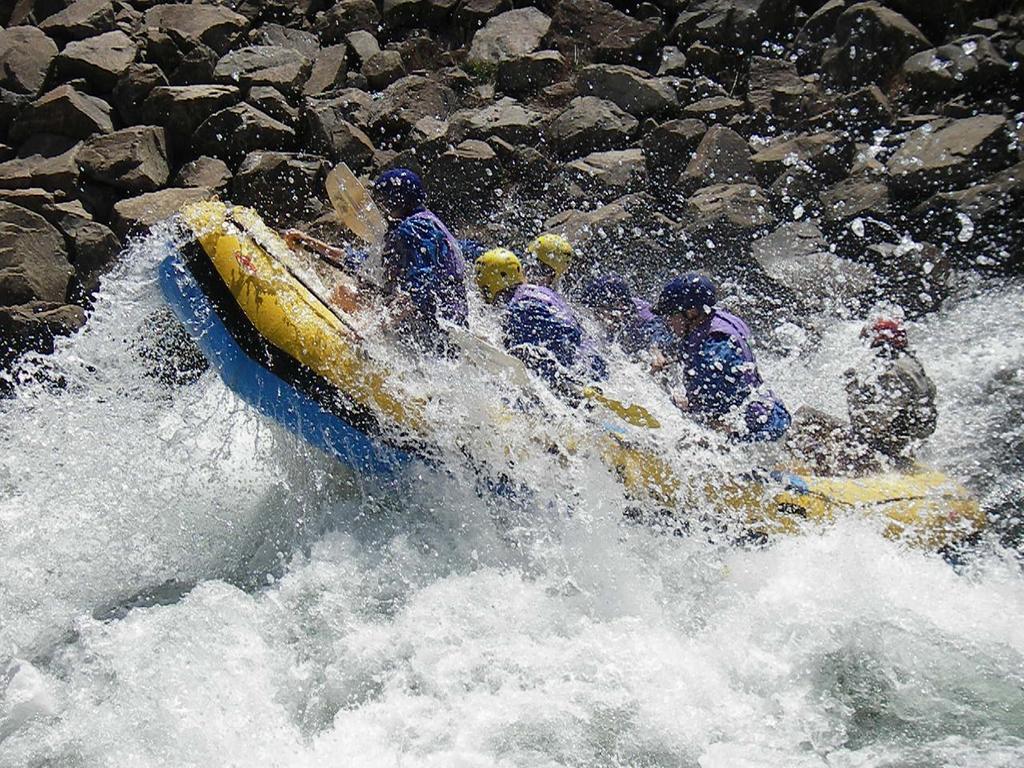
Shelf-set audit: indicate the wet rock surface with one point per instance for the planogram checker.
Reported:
(838, 135)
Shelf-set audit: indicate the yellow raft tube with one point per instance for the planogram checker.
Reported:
(924, 508)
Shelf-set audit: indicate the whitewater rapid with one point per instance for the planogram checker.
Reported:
(183, 583)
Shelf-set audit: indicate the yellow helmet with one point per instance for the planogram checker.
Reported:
(498, 270)
(553, 251)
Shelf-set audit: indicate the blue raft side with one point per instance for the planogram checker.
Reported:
(265, 391)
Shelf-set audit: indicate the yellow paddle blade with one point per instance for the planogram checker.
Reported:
(354, 205)
(635, 414)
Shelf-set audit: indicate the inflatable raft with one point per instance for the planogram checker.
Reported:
(300, 361)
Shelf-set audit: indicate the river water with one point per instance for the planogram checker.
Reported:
(184, 584)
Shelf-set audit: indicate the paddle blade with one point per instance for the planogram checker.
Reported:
(354, 205)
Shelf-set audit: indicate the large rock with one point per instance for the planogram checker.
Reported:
(56, 172)
(531, 72)
(196, 66)
(382, 69)
(798, 256)
(965, 66)
(134, 215)
(272, 102)
(506, 119)
(722, 156)
(81, 19)
(854, 198)
(590, 124)
(132, 89)
(206, 172)
(630, 88)
(859, 113)
(330, 134)
(285, 188)
(715, 108)
(941, 18)
(871, 44)
(727, 213)
(351, 104)
(33, 259)
(465, 179)
(669, 147)
(595, 30)
(183, 108)
(983, 225)
(732, 23)
(34, 327)
(816, 35)
(25, 58)
(507, 36)
(347, 16)
(212, 25)
(773, 80)
(280, 36)
(100, 60)
(283, 68)
(610, 174)
(328, 70)
(92, 247)
(403, 103)
(951, 153)
(64, 111)
(826, 156)
(133, 159)
(362, 45)
(234, 132)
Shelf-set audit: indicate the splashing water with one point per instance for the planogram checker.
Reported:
(183, 583)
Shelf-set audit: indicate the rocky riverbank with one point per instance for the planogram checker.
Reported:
(802, 150)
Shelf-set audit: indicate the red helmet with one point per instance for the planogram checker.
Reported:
(887, 332)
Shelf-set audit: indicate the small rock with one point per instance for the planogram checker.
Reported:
(768, 76)
(25, 58)
(101, 60)
(134, 215)
(722, 156)
(382, 69)
(206, 172)
(281, 68)
(611, 173)
(731, 23)
(951, 153)
(871, 44)
(508, 35)
(362, 44)
(521, 75)
(64, 110)
(279, 36)
(473, 14)
(590, 124)
(213, 25)
(285, 188)
(673, 61)
(632, 89)
(329, 70)
(81, 19)
(58, 172)
(669, 147)
(133, 159)
(965, 66)
(236, 131)
(403, 103)
(92, 248)
(33, 259)
(714, 108)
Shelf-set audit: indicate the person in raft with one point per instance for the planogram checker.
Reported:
(627, 320)
(552, 256)
(422, 264)
(723, 387)
(890, 400)
(538, 326)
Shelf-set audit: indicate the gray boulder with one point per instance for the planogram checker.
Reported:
(328, 70)
(951, 153)
(826, 156)
(610, 174)
(362, 44)
(330, 134)
(79, 20)
(595, 30)
(965, 66)
(64, 111)
(727, 214)
(25, 58)
(236, 131)
(183, 108)
(590, 124)
(347, 16)
(530, 72)
(732, 23)
(135, 215)
(722, 156)
(715, 108)
(632, 89)
(33, 259)
(403, 103)
(100, 60)
(280, 36)
(871, 43)
(382, 69)
(855, 198)
(133, 159)
(51, 172)
(506, 119)
(272, 102)
(206, 172)
(132, 89)
(283, 68)
(212, 25)
(508, 35)
(285, 188)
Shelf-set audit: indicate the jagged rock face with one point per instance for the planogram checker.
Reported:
(871, 43)
(25, 57)
(33, 260)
